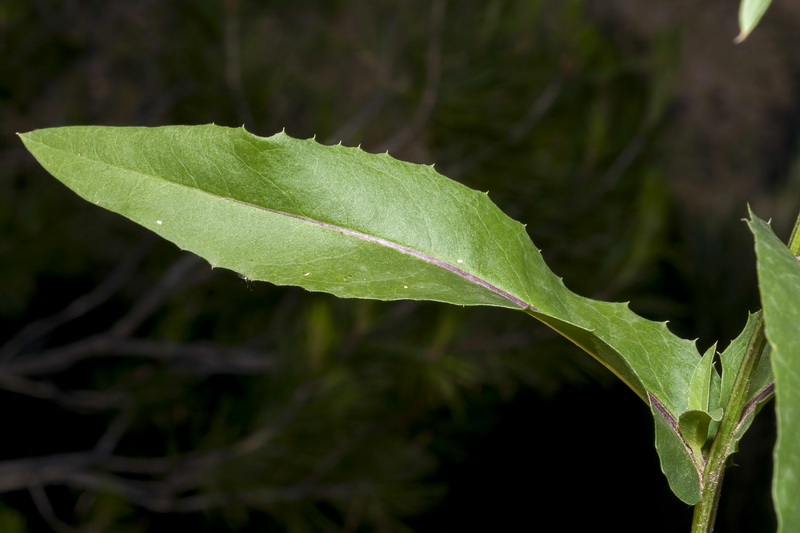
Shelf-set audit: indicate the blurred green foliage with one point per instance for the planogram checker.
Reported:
(352, 407)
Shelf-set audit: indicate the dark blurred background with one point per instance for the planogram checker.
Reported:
(142, 391)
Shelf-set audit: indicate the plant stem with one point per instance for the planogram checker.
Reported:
(705, 512)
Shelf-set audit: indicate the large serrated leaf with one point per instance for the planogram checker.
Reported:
(779, 283)
(342, 221)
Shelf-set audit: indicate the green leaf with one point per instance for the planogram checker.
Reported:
(358, 225)
(761, 384)
(703, 409)
(700, 387)
(694, 428)
(678, 462)
(750, 13)
(779, 282)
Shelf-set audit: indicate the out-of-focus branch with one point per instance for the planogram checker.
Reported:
(233, 62)
(81, 400)
(42, 503)
(19, 474)
(174, 481)
(14, 370)
(177, 276)
(368, 111)
(383, 67)
(115, 281)
(433, 78)
(622, 163)
(182, 471)
(193, 358)
(160, 498)
(535, 112)
(114, 432)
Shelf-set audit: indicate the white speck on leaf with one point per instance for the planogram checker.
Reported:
(307, 273)
(459, 260)
(159, 222)
(405, 286)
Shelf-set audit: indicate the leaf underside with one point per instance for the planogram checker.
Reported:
(779, 283)
(358, 225)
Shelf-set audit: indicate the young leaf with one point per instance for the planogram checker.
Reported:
(761, 385)
(702, 379)
(703, 407)
(779, 282)
(750, 13)
(353, 224)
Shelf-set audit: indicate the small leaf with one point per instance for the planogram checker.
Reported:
(700, 387)
(779, 282)
(695, 423)
(761, 384)
(750, 13)
(694, 428)
(731, 358)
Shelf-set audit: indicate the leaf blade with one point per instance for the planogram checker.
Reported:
(339, 220)
(231, 205)
(779, 282)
